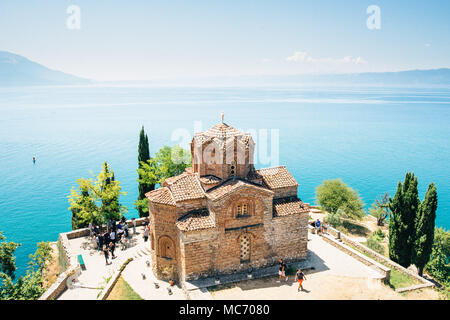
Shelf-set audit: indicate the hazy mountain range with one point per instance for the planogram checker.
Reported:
(16, 70)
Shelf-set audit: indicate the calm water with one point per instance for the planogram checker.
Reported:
(369, 137)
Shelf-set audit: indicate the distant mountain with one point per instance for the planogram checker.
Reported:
(432, 77)
(16, 70)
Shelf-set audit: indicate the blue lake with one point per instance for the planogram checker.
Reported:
(369, 137)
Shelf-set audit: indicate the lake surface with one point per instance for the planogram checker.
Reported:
(369, 137)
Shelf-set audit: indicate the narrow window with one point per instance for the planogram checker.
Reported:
(245, 248)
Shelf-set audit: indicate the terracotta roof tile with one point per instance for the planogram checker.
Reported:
(287, 206)
(230, 186)
(185, 187)
(277, 177)
(161, 195)
(195, 220)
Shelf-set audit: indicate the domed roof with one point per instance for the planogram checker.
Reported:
(220, 133)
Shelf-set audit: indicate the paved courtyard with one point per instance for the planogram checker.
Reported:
(336, 275)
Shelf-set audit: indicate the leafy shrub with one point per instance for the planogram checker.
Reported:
(334, 219)
(374, 243)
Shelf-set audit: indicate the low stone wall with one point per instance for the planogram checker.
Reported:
(110, 285)
(69, 262)
(59, 286)
(383, 270)
(381, 259)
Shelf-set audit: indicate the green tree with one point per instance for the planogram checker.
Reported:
(82, 204)
(7, 258)
(424, 228)
(141, 203)
(96, 201)
(380, 209)
(109, 191)
(30, 286)
(333, 195)
(439, 263)
(167, 162)
(403, 208)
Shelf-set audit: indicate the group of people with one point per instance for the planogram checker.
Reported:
(299, 276)
(321, 227)
(114, 234)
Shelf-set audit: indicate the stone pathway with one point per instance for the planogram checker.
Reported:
(92, 280)
(146, 288)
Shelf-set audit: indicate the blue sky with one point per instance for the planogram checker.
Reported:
(138, 40)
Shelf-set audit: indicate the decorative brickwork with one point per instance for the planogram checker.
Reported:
(222, 216)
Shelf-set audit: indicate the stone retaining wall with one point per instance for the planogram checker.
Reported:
(69, 262)
(110, 285)
(381, 259)
(383, 270)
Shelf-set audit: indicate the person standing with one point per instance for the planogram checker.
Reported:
(282, 270)
(112, 247)
(112, 236)
(318, 226)
(146, 232)
(91, 230)
(134, 225)
(106, 253)
(100, 241)
(300, 276)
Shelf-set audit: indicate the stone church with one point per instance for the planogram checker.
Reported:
(223, 216)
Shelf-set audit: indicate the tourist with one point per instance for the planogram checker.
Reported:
(282, 270)
(324, 227)
(106, 253)
(119, 230)
(125, 230)
(91, 230)
(123, 243)
(146, 222)
(113, 225)
(100, 241)
(146, 232)
(96, 230)
(134, 225)
(112, 247)
(112, 236)
(300, 276)
(318, 226)
(97, 241)
(106, 238)
(108, 225)
(123, 220)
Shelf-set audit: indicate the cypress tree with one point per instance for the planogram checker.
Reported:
(424, 226)
(143, 156)
(404, 209)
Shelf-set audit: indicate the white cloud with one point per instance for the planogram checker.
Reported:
(303, 57)
(427, 45)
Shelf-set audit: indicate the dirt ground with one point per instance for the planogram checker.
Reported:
(51, 271)
(316, 287)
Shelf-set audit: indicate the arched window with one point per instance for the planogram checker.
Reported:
(166, 248)
(245, 248)
(242, 210)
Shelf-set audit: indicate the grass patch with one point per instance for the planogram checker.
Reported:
(353, 228)
(400, 280)
(397, 279)
(123, 291)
